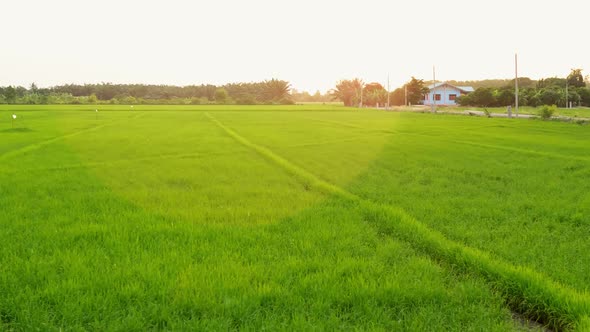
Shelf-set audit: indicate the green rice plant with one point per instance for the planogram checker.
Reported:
(167, 222)
(289, 218)
(528, 292)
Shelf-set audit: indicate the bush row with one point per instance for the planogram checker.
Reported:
(490, 97)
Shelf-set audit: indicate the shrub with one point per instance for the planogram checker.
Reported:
(286, 101)
(546, 112)
(92, 99)
(246, 99)
(221, 96)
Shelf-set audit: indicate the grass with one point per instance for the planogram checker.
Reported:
(295, 217)
(576, 112)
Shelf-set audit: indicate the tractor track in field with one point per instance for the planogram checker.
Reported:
(122, 161)
(326, 142)
(309, 178)
(527, 151)
(527, 292)
(338, 123)
(38, 145)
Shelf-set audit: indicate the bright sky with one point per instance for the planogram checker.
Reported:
(311, 43)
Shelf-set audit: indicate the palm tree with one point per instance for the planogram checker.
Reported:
(276, 90)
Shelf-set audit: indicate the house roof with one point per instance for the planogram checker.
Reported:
(462, 88)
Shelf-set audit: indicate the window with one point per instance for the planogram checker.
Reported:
(425, 97)
(452, 97)
(437, 97)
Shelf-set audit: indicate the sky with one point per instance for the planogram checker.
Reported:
(310, 43)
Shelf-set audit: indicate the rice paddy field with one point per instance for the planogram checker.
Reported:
(305, 217)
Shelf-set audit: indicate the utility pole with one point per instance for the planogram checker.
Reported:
(444, 95)
(387, 91)
(516, 83)
(433, 90)
(406, 94)
(566, 95)
(361, 96)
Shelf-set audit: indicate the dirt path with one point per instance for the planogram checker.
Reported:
(427, 109)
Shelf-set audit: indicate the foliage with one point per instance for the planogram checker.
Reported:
(523, 82)
(547, 91)
(552, 95)
(397, 97)
(304, 96)
(271, 91)
(246, 99)
(584, 94)
(221, 96)
(9, 94)
(551, 82)
(348, 91)
(416, 90)
(483, 97)
(92, 99)
(546, 112)
(576, 79)
(504, 96)
(374, 95)
(276, 91)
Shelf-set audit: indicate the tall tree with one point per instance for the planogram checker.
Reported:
(348, 91)
(10, 94)
(397, 97)
(505, 97)
(416, 91)
(275, 90)
(483, 97)
(575, 78)
(221, 96)
(374, 94)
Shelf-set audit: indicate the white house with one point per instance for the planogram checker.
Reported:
(444, 94)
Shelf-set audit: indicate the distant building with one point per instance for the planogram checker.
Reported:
(444, 94)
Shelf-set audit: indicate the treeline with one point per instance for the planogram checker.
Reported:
(548, 91)
(355, 92)
(523, 82)
(306, 97)
(553, 95)
(268, 92)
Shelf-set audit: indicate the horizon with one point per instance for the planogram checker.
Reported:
(27, 86)
(311, 45)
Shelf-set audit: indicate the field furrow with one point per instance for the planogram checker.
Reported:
(38, 145)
